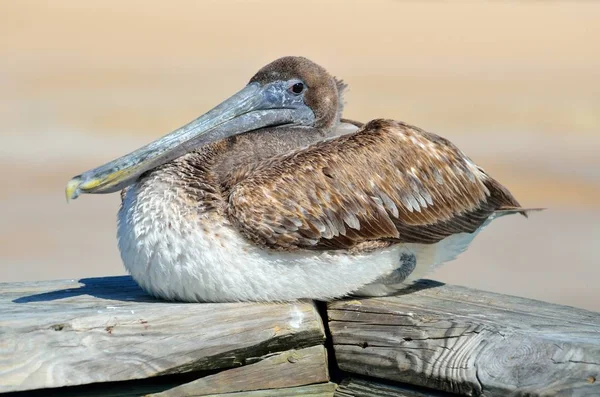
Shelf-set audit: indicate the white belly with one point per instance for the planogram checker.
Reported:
(185, 256)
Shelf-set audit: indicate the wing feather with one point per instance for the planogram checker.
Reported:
(387, 181)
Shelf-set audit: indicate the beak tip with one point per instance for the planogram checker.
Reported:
(72, 189)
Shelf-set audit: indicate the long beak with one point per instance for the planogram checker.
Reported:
(252, 108)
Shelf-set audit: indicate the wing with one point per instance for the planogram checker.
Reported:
(388, 181)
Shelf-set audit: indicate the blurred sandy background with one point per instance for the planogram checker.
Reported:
(514, 84)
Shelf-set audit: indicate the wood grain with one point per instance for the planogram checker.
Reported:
(66, 333)
(319, 390)
(353, 387)
(469, 342)
(281, 370)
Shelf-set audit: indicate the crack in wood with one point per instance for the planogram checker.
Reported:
(574, 362)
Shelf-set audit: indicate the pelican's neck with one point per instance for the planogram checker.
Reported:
(246, 150)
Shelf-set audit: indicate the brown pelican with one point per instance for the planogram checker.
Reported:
(263, 198)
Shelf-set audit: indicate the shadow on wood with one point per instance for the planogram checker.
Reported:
(111, 288)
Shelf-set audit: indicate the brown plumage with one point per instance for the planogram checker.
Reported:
(387, 182)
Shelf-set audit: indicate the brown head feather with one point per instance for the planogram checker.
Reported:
(322, 95)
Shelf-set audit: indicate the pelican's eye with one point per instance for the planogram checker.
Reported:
(297, 88)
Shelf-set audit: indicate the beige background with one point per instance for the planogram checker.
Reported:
(514, 84)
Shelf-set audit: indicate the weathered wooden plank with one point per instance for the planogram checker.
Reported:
(281, 370)
(66, 333)
(352, 387)
(319, 390)
(469, 342)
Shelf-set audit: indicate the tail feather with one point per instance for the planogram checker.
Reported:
(516, 210)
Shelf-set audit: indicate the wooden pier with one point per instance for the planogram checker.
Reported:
(106, 337)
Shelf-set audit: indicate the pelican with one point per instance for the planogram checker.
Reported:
(273, 196)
